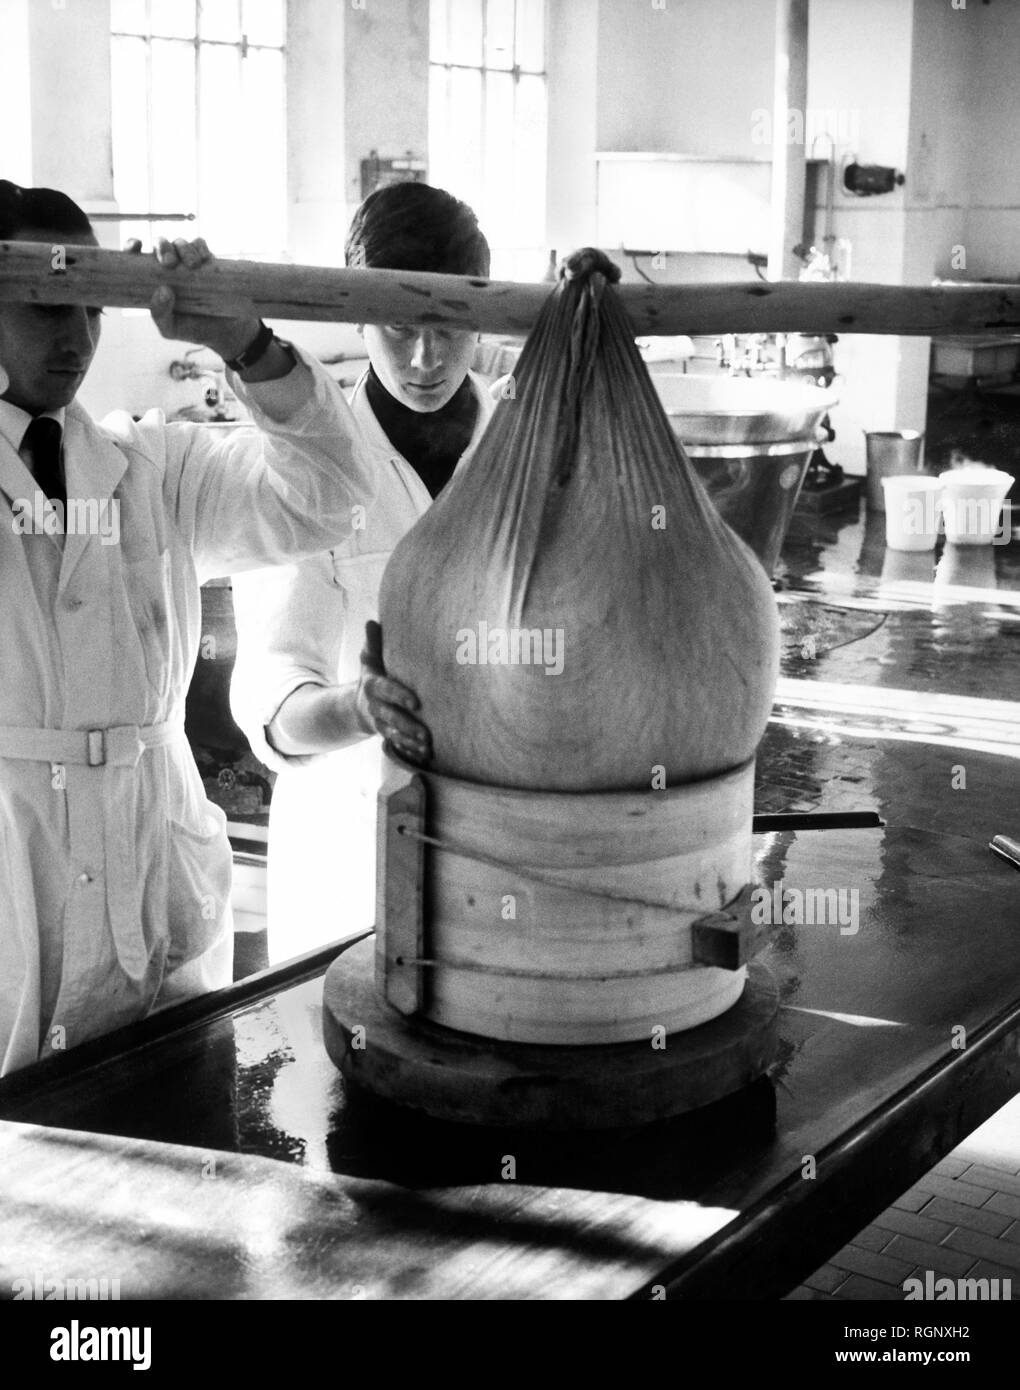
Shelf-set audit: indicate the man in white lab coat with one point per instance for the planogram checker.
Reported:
(114, 868)
(308, 708)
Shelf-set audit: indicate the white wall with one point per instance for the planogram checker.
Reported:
(315, 103)
(15, 130)
(357, 81)
(572, 66)
(940, 155)
(70, 97)
(685, 78)
(386, 84)
(913, 69)
(624, 75)
(992, 114)
(938, 163)
(859, 67)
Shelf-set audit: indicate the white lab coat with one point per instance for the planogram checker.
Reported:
(305, 623)
(115, 877)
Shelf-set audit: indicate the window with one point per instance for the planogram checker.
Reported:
(487, 122)
(199, 120)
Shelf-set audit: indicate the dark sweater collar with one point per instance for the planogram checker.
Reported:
(432, 441)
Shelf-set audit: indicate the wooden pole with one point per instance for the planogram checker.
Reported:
(315, 293)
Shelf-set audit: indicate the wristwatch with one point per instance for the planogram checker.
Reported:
(256, 349)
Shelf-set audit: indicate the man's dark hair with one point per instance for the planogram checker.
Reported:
(412, 226)
(42, 209)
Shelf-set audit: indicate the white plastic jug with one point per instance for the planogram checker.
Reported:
(972, 499)
(911, 511)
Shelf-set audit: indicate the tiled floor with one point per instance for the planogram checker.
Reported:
(962, 1220)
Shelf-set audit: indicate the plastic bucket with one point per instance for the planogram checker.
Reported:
(890, 452)
(912, 505)
(972, 501)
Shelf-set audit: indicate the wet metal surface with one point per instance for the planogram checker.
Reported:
(874, 1001)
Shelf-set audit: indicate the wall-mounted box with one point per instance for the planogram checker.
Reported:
(380, 173)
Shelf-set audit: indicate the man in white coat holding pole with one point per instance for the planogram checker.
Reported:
(114, 867)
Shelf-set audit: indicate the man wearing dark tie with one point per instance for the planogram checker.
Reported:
(41, 449)
(114, 867)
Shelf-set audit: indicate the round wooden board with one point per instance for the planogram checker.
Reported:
(474, 1080)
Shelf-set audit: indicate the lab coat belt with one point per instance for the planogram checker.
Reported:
(121, 746)
(112, 835)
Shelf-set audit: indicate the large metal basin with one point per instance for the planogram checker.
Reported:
(750, 441)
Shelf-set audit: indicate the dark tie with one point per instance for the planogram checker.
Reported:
(42, 442)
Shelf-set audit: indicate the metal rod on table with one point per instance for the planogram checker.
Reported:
(142, 216)
(87, 275)
(818, 820)
(1006, 849)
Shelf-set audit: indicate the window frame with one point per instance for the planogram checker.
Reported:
(515, 71)
(198, 43)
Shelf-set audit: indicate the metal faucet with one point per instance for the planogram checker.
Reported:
(186, 370)
(215, 392)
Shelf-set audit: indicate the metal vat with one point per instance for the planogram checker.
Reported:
(750, 440)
